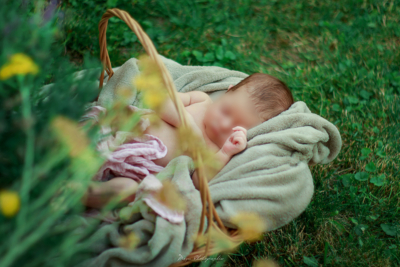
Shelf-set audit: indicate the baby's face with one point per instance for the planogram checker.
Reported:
(230, 110)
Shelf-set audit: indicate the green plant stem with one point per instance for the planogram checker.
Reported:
(33, 237)
(29, 154)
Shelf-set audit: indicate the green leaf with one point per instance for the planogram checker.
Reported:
(361, 176)
(129, 37)
(375, 130)
(346, 179)
(147, 24)
(371, 25)
(334, 213)
(220, 28)
(198, 55)
(219, 53)
(370, 167)
(382, 114)
(380, 144)
(224, 42)
(360, 229)
(365, 152)
(378, 180)
(365, 94)
(390, 229)
(353, 221)
(288, 65)
(208, 57)
(363, 157)
(372, 217)
(310, 261)
(352, 99)
(185, 53)
(336, 107)
(381, 154)
(230, 55)
(338, 225)
(353, 189)
(217, 64)
(176, 21)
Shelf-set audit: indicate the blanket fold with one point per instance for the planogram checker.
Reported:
(270, 177)
(161, 242)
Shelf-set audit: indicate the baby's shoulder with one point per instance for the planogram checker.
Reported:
(199, 97)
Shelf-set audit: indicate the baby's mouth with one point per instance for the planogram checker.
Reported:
(214, 129)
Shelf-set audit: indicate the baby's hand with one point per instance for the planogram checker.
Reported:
(236, 143)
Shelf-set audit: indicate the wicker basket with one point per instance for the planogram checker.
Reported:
(211, 213)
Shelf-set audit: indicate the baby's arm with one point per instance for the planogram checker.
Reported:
(222, 157)
(168, 111)
(100, 193)
(236, 143)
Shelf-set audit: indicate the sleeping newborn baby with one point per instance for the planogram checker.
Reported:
(222, 125)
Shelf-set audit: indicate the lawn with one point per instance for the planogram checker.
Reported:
(340, 57)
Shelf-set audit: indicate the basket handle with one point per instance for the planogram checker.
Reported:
(149, 48)
(169, 84)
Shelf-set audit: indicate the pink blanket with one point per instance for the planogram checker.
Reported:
(131, 157)
(127, 155)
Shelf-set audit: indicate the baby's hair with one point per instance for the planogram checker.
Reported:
(270, 95)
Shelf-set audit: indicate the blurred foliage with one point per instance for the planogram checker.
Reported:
(33, 162)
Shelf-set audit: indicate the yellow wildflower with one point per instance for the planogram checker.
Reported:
(9, 202)
(251, 225)
(169, 196)
(130, 241)
(222, 242)
(153, 99)
(18, 64)
(150, 82)
(69, 132)
(191, 143)
(77, 143)
(219, 242)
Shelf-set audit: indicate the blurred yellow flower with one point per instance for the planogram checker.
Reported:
(18, 64)
(75, 140)
(170, 196)
(150, 82)
(219, 242)
(70, 134)
(153, 99)
(222, 242)
(9, 202)
(251, 225)
(191, 143)
(129, 241)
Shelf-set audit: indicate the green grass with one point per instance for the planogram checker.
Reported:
(340, 57)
